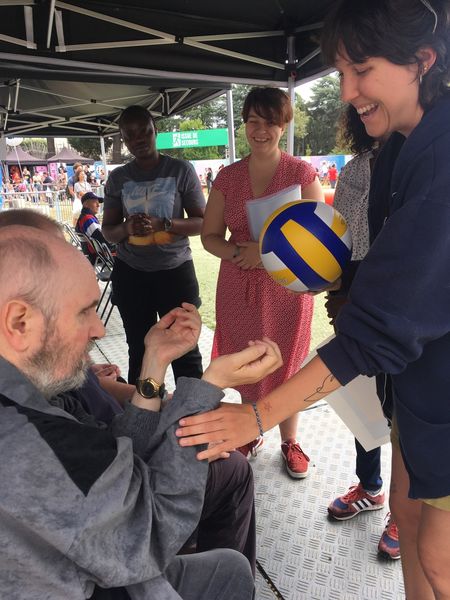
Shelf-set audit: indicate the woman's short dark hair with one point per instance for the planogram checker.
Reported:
(395, 30)
(354, 133)
(269, 103)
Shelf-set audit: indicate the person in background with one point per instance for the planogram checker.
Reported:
(89, 178)
(393, 60)
(77, 167)
(332, 176)
(152, 205)
(26, 175)
(81, 187)
(61, 180)
(351, 200)
(88, 223)
(209, 179)
(248, 301)
(47, 182)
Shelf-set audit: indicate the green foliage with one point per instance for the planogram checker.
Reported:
(239, 94)
(35, 146)
(241, 144)
(324, 109)
(301, 123)
(89, 147)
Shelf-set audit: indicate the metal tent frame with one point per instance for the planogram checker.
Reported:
(165, 54)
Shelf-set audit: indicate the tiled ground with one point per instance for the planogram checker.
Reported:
(307, 556)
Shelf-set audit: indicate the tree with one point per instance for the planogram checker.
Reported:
(242, 147)
(301, 122)
(117, 155)
(324, 109)
(35, 146)
(90, 147)
(239, 94)
(51, 150)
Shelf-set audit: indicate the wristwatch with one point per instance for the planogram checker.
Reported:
(167, 224)
(149, 388)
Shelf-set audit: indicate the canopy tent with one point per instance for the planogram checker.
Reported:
(178, 52)
(69, 156)
(20, 156)
(60, 108)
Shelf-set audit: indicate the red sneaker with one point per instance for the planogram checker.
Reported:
(388, 545)
(296, 460)
(355, 501)
(250, 450)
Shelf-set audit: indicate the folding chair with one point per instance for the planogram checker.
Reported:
(72, 235)
(106, 263)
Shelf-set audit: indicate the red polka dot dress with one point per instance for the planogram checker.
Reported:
(249, 304)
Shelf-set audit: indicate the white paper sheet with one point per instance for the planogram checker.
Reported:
(359, 407)
(260, 208)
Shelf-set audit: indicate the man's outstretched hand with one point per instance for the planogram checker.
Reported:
(261, 358)
(174, 334)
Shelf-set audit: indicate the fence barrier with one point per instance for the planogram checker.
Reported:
(54, 204)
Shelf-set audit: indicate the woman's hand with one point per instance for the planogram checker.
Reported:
(248, 257)
(224, 429)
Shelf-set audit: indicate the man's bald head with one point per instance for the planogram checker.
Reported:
(48, 297)
(30, 218)
(34, 267)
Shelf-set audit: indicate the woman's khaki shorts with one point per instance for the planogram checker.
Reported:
(441, 503)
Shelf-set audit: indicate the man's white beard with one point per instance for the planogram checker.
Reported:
(50, 387)
(40, 368)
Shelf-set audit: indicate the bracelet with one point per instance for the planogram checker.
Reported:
(258, 419)
(237, 252)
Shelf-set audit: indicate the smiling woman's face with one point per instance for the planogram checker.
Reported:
(262, 135)
(385, 95)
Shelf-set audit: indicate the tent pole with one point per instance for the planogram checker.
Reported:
(230, 124)
(4, 170)
(3, 149)
(290, 129)
(102, 147)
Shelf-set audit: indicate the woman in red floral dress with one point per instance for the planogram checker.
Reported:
(249, 304)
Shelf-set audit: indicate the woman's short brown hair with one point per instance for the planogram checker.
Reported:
(269, 103)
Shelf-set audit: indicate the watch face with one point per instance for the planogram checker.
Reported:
(148, 389)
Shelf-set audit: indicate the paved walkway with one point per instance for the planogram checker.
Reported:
(307, 556)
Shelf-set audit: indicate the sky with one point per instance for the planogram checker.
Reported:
(305, 89)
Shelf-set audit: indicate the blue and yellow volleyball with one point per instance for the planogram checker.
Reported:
(305, 245)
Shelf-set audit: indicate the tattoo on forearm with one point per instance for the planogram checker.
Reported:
(321, 391)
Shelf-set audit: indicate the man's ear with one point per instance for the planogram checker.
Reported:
(20, 324)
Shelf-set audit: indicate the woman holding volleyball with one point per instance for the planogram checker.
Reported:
(393, 60)
(249, 305)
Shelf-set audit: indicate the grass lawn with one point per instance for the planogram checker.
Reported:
(207, 268)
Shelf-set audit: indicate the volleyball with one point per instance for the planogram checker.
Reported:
(305, 245)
